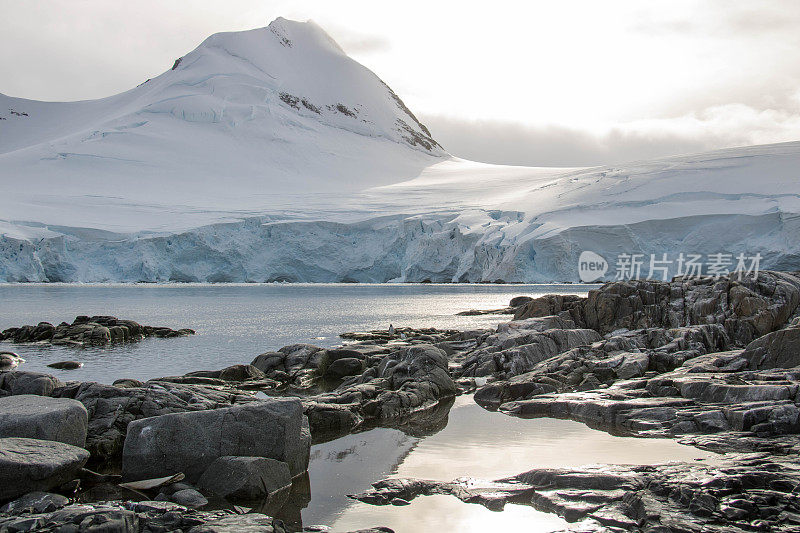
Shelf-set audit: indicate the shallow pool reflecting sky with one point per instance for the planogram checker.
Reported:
(475, 443)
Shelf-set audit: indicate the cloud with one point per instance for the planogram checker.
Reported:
(363, 44)
(557, 145)
(722, 18)
(627, 80)
(354, 42)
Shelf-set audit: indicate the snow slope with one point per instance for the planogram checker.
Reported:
(241, 121)
(270, 155)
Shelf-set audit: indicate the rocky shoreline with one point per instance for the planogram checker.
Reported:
(713, 362)
(89, 331)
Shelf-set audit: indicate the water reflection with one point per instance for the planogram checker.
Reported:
(458, 439)
(446, 513)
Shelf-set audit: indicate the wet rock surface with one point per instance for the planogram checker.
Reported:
(35, 502)
(741, 492)
(66, 365)
(85, 330)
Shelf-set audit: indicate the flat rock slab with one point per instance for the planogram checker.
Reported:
(189, 442)
(736, 493)
(246, 523)
(40, 417)
(74, 518)
(28, 465)
(151, 516)
(36, 502)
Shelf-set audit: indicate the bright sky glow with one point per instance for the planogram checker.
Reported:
(557, 82)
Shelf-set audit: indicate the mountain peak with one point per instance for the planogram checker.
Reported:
(307, 33)
(299, 66)
(247, 115)
(282, 34)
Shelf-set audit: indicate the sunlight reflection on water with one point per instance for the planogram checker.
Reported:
(236, 322)
(475, 443)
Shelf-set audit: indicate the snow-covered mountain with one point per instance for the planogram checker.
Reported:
(270, 155)
(237, 123)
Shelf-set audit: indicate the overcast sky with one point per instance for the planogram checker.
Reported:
(562, 82)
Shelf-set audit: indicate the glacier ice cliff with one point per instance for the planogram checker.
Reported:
(494, 246)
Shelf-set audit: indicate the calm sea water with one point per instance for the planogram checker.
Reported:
(234, 323)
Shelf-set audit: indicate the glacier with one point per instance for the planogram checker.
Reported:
(270, 155)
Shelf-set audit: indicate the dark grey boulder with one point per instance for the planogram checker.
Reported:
(231, 373)
(45, 418)
(519, 300)
(331, 418)
(28, 465)
(346, 366)
(356, 352)
(189, 442)
(189, 498)
(245, 478)
(66, 365)
(299, 356)
(240, 373)
(112, 408)
(296, 362)
(547, 305)
(10, 360)
(35, 502)
(17, 382)
(128, 383)
(267, 362)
